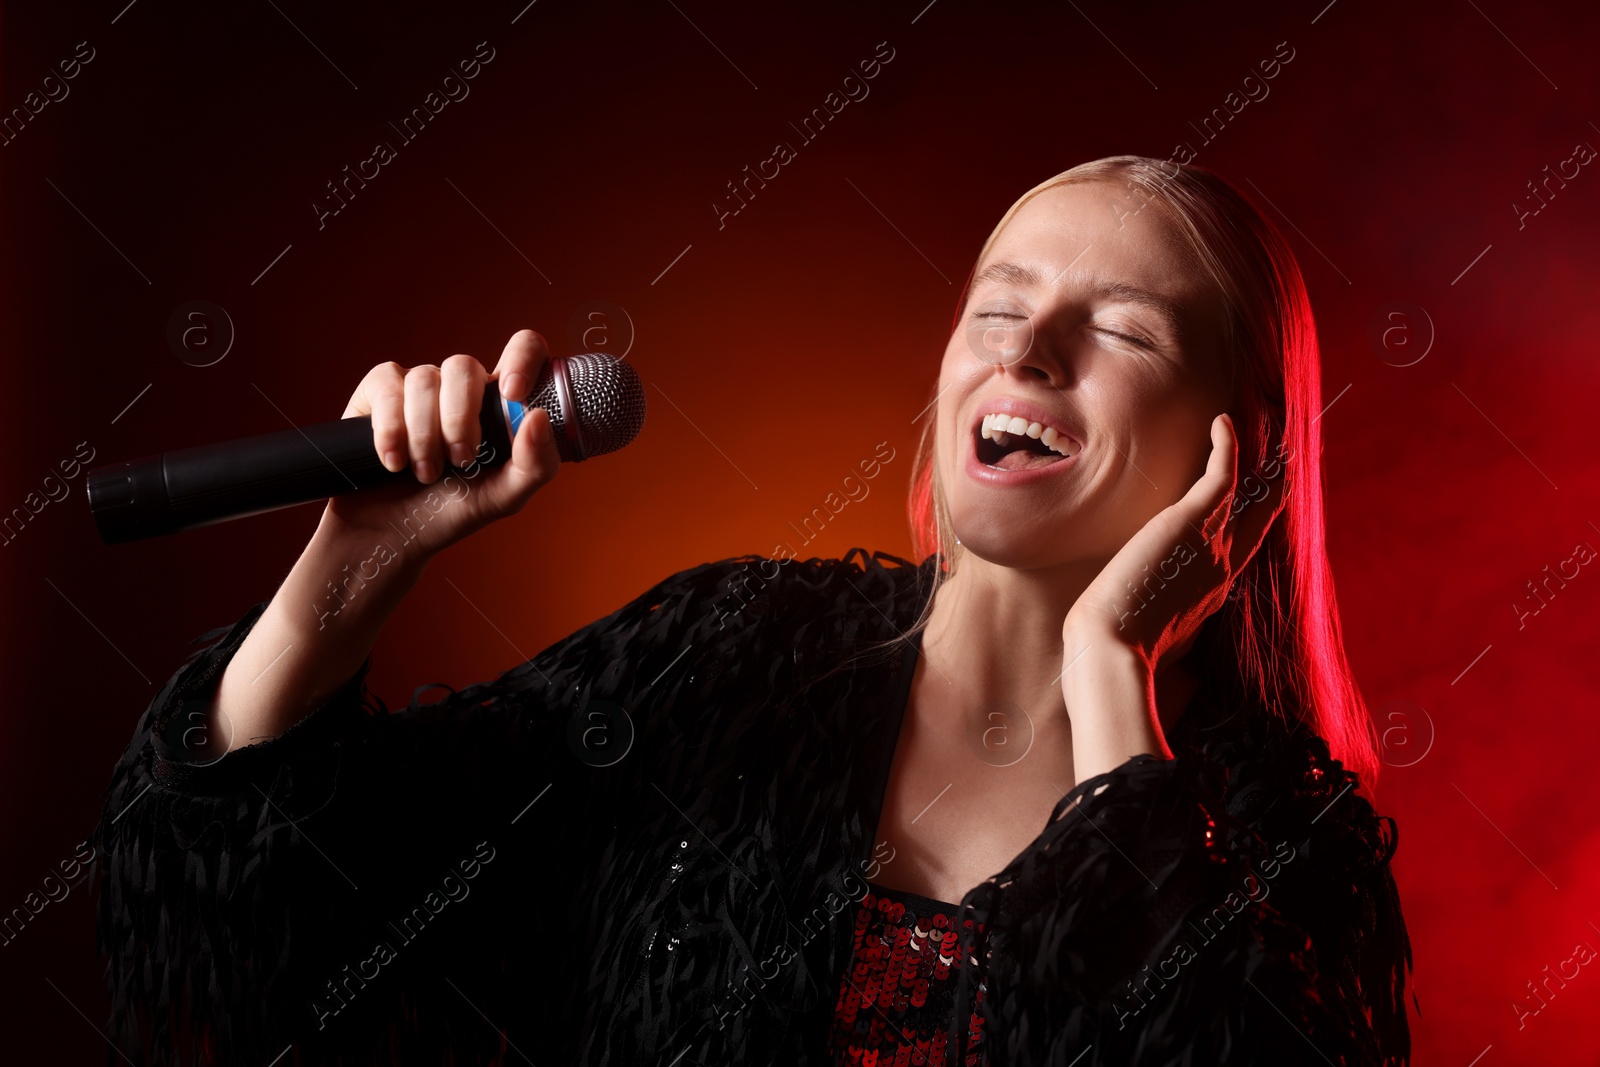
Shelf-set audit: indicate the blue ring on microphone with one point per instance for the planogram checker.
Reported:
(514, 414)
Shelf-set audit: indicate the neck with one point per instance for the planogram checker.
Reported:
(994, 635)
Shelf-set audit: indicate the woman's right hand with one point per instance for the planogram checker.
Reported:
(426, 417)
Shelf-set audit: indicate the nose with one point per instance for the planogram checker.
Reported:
(1017, 349)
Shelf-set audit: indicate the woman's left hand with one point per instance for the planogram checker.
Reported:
(1152, 596)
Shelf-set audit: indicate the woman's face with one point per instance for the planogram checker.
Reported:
(1086, 316)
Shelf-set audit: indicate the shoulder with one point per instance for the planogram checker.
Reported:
(1272, 767)
(1278, 778)
(775, 589)
(1315, 835)
(755, 595)
(1274, 781)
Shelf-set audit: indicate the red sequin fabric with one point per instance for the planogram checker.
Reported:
(897, 996)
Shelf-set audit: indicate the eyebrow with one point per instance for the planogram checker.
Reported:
(1028, 277)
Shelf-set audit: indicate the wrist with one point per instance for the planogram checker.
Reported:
(1108, 688)
(1097, 668)
(381, 556)
(1100, 644)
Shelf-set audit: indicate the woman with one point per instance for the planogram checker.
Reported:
(1079, 788)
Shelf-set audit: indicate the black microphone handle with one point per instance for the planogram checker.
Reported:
(180, 490)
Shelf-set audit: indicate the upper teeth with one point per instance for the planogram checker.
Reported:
(999, 424)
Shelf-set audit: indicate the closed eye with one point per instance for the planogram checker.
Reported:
(1132, 340)
(1125, 337)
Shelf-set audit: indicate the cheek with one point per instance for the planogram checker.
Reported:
(1152, 440)
(1175, 438)
(948, 391)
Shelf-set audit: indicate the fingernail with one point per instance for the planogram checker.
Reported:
(394, 461)
(515, 387)
(460, 454)
(424, 470)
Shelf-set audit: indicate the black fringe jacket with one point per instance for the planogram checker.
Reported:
(644, 846)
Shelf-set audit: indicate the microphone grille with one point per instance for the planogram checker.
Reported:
(608, 399)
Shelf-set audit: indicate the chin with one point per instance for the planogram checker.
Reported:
(1018, 550)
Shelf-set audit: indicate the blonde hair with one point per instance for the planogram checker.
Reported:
(1281, 619)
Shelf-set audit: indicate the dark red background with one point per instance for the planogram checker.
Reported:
(781, 348)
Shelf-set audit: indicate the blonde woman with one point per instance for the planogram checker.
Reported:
(1082, 787)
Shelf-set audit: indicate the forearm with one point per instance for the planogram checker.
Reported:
(1111, 703)
(309, 641)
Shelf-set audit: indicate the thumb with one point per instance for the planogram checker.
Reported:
(534, 457)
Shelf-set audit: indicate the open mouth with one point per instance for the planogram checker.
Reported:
(1005, 445)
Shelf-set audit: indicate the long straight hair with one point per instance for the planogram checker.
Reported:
(1277, 637)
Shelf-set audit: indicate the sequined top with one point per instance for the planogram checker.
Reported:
(898, 995)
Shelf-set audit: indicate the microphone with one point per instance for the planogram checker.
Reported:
(595, 402)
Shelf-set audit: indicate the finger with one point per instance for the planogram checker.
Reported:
(534, 457)
(461, 381)
(524, 356)
(422, 422)
(1251, 524)
(1210, 497)
(381, 395)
